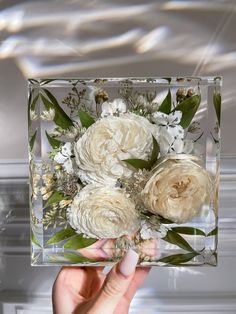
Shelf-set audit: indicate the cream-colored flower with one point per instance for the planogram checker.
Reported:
(33, 115)
(46, 192)
(48, 115)
(103, 212)
(100, 152)
(48, 179)
(178, 189)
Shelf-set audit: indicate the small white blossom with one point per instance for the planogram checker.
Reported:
(169, 144)
(33, 115)
(170, 123)
(118, 106)
(48, 115)
(63, 157)
(148, 231)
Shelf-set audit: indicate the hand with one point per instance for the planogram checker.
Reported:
(80, 290)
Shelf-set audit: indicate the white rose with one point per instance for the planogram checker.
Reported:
(103, 213)
(177, 189)
(100, 152)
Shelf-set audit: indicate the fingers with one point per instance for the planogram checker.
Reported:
(138, 279)
(116, 284)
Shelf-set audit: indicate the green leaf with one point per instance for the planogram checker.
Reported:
(78, 259)
(47, 81)
(165, 107)
(189, 230)
(155, 151)
(61, 118)
(61, 236)
(85, 119)
(53, 142)
(32, 140)
(174, 238)
(79, 242)
(56, 197)
(165, 221)
(144, 164)
(217, 105)
(34, 239)
(177, 258)
(188, 107)
(213, 232)
(138, 163)
(33, 104)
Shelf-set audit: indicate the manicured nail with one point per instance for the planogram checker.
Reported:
(128, 263)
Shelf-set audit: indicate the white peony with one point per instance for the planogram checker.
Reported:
(118, 106)
(100, 152)
(63, 157)
(178, 189)
(103, 212)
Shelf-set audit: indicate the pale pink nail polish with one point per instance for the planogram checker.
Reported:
(128, 263)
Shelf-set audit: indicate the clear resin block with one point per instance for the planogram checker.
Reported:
(119, 163)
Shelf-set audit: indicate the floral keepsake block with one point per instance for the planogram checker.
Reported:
(119, 163)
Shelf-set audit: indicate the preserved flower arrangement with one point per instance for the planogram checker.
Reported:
(122, 163)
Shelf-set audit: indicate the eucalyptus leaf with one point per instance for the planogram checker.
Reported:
(165, 107)
(56, 197)
(189, 230)
(34, 239)
(188, 107)
(85, 119)
(138, 163)
(213, 232)
(53, 142)
(165, 221)
(78, 259)
(178, 258)
(61, 236)
(32, 140)
(217, 105)
(34, 102)
(61, 118)
(145, 164)
(79, 242)
(176, 239)
(155, 151)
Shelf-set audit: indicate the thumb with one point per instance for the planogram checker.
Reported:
(116, 283)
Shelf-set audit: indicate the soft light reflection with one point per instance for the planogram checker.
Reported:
(152, 39)
(52, 38)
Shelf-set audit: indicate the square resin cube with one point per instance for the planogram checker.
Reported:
(119, 163)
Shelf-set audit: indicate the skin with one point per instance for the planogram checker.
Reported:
(80, 290)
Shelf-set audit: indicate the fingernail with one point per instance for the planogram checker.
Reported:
(128, 263)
